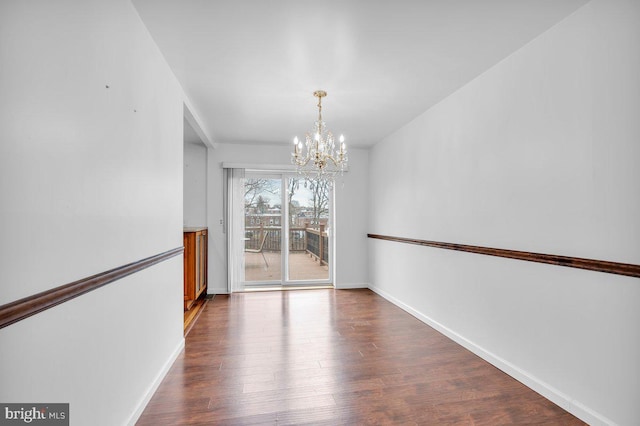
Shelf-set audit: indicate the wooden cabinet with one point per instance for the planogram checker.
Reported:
(195, 264)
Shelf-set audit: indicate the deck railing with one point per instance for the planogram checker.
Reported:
(310, 240)
(318, 244)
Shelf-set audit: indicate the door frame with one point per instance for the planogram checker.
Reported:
(284, 281)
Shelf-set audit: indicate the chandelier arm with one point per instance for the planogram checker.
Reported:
(336, 162)
(302, 161)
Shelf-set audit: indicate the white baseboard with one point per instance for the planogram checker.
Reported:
(346, 286)
(155, 384)
(221, 290)
(554, 395)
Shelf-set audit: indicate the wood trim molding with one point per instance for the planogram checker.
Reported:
(20, 309)
(627, 269)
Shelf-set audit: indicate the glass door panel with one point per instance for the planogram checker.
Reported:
(308, 221)
(262, 226)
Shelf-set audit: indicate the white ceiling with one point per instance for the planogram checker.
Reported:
(250, 67)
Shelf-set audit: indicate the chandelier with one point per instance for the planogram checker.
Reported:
(319, 158)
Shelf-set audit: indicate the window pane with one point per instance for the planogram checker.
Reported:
(308, 224)
(262, 212)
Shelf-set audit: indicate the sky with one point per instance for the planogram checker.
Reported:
(302, 195)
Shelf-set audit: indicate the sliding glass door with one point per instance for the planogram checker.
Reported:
(287, 231)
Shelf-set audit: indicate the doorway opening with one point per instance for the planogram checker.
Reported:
(287, 231)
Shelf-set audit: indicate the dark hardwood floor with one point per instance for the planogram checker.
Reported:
(333, 357)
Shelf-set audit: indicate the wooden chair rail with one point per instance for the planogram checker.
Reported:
(627, 269)
(18, 310)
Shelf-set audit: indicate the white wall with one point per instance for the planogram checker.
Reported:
(352, 222)
(540, 153)
(90, 179)
(351, 203)
(195, 185)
